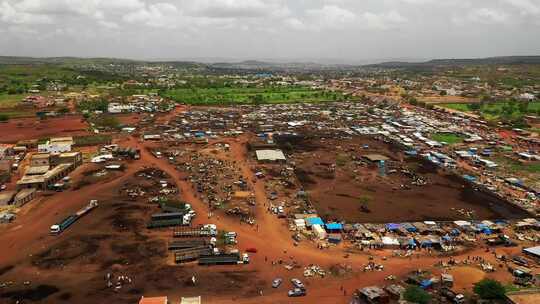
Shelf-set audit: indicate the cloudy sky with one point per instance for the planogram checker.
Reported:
(347, 30)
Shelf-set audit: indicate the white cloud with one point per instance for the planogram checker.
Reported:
(10, 14)
(388, 20)
(335, 17)
(160, 15)
(109, 24)
(267, 27)
(484, 16)
(488, 15)
(331, 16)
(526, 7)
(237, 8)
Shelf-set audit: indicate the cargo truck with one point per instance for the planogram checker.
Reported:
(171, 222)
(195, 232)
(224, 259)
(187, 243)
(68, 221)
(191, 254)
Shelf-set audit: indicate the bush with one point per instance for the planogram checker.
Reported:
(4, 117)
(416, 294)
(489, 289)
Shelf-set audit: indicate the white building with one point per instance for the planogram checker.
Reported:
(115, 107)
(526, 97)
(270, 155)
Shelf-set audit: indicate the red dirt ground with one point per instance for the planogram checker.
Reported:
(82, 282)
(336, 196)
(33, 128)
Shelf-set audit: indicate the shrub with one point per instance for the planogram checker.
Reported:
(416, 294)
(489, 289)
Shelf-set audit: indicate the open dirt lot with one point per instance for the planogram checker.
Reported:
(336, 177)
(33, 128)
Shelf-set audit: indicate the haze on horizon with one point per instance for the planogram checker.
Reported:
(346, 30)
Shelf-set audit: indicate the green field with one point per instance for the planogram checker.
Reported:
(251, 95)
(10, 101)
(463, 107)
(508, 110)
(449, 138)
(514, 166)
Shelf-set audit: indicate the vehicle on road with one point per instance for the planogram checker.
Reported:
(251, 250)
(298, 284)
(65, 223)
(297, 292)
(276, 282)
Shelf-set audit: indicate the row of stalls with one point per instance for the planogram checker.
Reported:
(426, 234)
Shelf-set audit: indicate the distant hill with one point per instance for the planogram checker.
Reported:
(256, 65)
(59, 60)
(506, 60)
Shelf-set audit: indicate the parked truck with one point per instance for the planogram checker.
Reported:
(191, 254)
(68, 221)
(187, 243)
(203, 231)
(224, 259)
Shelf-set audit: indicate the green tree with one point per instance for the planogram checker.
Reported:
(416, 294)
(257, 99)
(63, 110)
(489, 289)
(475, 106)
(364, 200)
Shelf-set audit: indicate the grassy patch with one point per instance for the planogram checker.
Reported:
(105, 122)
(504, 110)
(246, 95)
(10, 101)
(463, 107)
(449, 138)
(18, 114)
(515, 166)
(92, 140)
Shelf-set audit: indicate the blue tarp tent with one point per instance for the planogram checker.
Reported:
(426, 243)
(334, 226)
(425, 284)
(314, 221)
(392, 226)
(334, 238)
(455, 232)
(469, 178)
(411, 152)
(409, 227)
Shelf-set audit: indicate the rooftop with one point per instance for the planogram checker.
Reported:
(271, 155)
(375, 157)
(524, 297)
(38, 170)
(40, 155)
(533, 250)
(154, 300)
